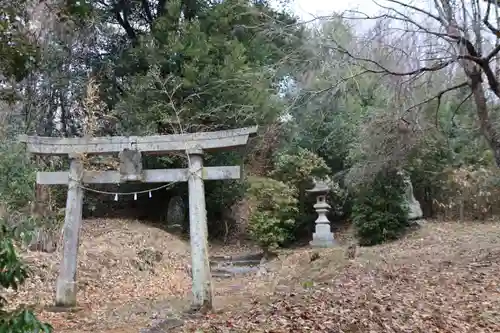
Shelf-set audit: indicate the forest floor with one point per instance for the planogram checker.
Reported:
(444, 277)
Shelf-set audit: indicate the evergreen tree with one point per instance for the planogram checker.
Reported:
(379, 213)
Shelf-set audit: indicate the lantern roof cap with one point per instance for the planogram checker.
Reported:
(320, 186)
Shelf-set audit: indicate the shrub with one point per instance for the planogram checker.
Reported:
(379, 213)
(428, 166)
(13, 273)
(17, 176)
(272, 213)
(298, 168)
(220, 197)
(469, 192)
(17, 179)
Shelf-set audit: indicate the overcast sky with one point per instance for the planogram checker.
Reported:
(307, 9)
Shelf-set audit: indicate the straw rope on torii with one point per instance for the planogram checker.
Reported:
(130, 149)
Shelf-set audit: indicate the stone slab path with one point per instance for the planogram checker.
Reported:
(230, 266)
(222, 267)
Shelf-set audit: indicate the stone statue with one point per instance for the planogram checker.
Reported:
(414, 209)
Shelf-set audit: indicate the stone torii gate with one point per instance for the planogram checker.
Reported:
(130, 149)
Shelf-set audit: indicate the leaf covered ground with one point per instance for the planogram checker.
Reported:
(121, 282)
(442, 278)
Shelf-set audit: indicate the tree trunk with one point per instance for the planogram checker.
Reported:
(474, 72)
(487, 127)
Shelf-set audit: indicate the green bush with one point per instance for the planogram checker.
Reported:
(379, 213)
(17, 176)
(272, 213)
(17, 179)
(428, 166)
(13, 273)
(297, 168)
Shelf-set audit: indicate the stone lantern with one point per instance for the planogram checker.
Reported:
(322, 236)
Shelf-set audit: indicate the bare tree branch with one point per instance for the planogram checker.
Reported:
(437, 18)
(438, 96)
(487, 23)
(385, 70)
(459, 106)
(472, 53)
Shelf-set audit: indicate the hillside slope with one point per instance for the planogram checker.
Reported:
(127, 272)
(442, 278)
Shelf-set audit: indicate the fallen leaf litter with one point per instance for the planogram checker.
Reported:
(443, 278)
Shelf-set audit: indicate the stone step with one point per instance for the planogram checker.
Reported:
(239, 263)
(238, 257)
(229, 266)
(222, 275)
(235, 270)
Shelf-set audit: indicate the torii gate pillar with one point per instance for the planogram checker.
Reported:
(66, 281)
(198, 231)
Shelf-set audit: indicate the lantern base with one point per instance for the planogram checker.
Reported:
(323, 240)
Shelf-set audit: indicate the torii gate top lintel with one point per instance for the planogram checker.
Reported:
(146, 144)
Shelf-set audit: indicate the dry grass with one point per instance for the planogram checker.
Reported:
(442, 278)
(113, 292)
